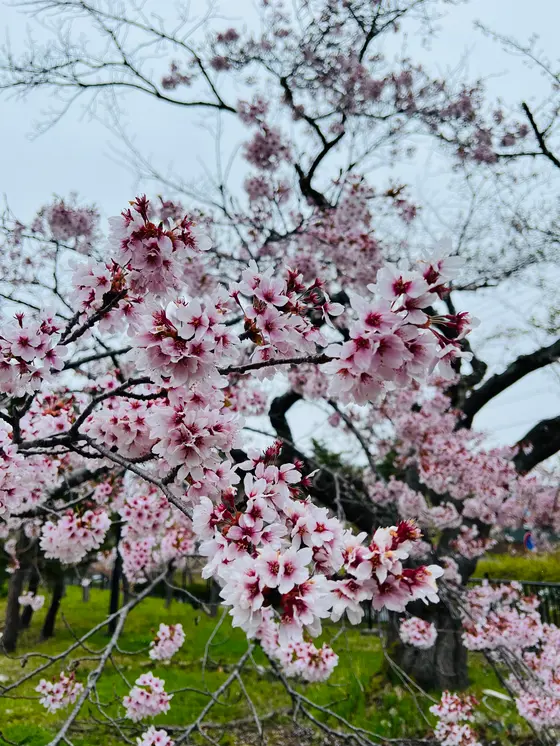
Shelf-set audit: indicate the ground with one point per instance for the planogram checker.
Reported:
(358, 691)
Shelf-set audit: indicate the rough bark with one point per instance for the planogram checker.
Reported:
(57, 593)
(12, 620)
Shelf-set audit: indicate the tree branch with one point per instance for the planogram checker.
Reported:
(499, 382)
(325, 488)
(540, 137)
(541, 442)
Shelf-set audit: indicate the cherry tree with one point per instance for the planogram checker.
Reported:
(155, 439)
(129, 364)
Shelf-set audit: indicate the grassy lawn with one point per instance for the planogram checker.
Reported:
(357, 690)
(539, 567)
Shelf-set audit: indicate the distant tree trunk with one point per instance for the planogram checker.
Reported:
(27, 613)
(214, 598)
(126, 589)
(169, 590)
(12, 621)
(57, 594)
(116, 576)
(443, 666)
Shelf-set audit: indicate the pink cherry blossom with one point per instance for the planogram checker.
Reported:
(147, 698)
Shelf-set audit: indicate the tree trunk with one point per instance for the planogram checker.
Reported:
(114, 598)
(57, 593)
(215, 599)
(443, 666)
(27, 613)
(11, 623)
(169, 590)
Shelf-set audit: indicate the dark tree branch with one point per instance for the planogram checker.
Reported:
(540, 137)
(95, 356)
(541, 442)
(326, 488)
(499, 382)
(313, 359)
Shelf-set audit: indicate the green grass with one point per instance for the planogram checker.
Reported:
(540, 567)
(357, 691)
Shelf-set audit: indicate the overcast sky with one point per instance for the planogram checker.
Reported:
(78, 153)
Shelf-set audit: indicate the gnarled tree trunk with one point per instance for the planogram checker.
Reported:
(57, 593)
(443, 666)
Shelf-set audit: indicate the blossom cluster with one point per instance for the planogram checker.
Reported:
(154, 533)
(186, 341)
(154, 737)
(29, 351)
(149, 256)
(144, 514)
(147, 698)
(33, 600)
(278, 318)
(60, 692)
(394, 339)
(418, 632)
(193, 435)
(156, 254)
(454, 711)
(169, 639)
(281, 552)
(298, 659)
(73, 535)
(499, 617)
(64, 221)
(25, 480)
(537, 693)
(122, 424)
(462, 484)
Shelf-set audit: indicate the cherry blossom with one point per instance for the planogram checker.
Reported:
(452, 710)
(169, 639)
(147, 698)
(291, 573)
(29, 351)
(123, 405)
(154, 737)
(33, 600)
(298, 659)
(417, 632)
(59, 693)
(73, 536)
